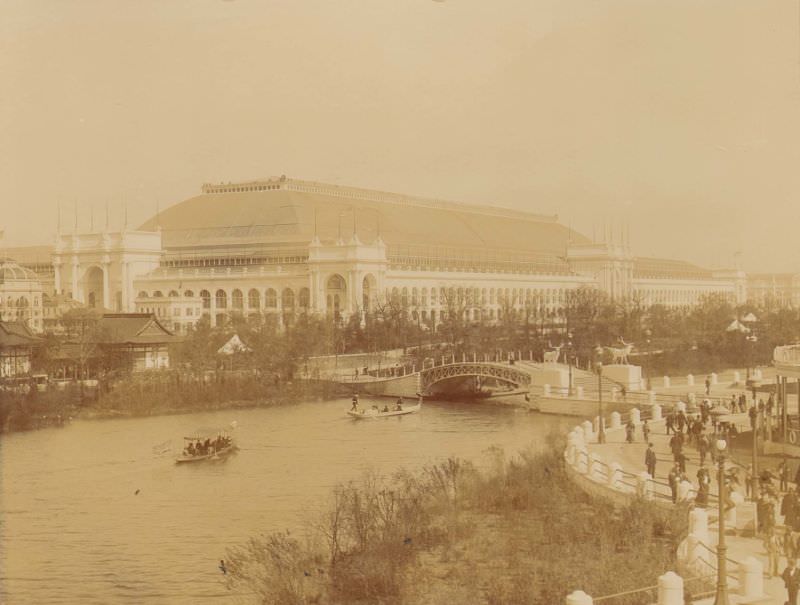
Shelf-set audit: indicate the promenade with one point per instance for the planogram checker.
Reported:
(739, 540)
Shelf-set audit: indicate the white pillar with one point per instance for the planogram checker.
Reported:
(698, 523)
(583, 461)
(636, 416)
(670, 589)
(124, 286)
(666, 382)
(751, 578)
(75, 294)
(644, 485)
(57, 275)
(614, 474)
(106, 269)
(588, 432)
(615, 420)
(579, 598)
(656, 411)
(690, 380)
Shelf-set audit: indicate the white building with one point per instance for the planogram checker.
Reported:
(283, 246)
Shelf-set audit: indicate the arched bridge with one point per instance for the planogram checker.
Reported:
(504, 373)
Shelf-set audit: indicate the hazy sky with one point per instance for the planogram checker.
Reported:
(681, 117)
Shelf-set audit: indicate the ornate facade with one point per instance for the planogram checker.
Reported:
(283, 246)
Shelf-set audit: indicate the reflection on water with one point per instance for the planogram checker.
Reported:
(75, 531)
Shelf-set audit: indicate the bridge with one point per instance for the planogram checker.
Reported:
(507, 374)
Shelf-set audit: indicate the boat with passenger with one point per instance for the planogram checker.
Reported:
(205, 444)
(398, 409)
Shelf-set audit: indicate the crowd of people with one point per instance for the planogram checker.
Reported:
(208, 446)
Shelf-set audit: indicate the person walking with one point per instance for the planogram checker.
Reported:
(791, 579)
(708, 385)
(703, 447)
(772, 544)
(646, 431)
(650, 460)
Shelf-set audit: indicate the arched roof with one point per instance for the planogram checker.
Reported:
(12, 272)
(286, 211)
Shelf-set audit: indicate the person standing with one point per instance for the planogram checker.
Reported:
(772, 544)
(708, 385)
(629, 429)
(791, 579)
(674, 477)
(650, 460)
(703, 447)
(646, 431)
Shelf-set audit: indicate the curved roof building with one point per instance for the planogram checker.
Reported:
(238, 218)
(284, 246)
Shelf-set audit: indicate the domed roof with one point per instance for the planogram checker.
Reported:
(288, 211)
(11, 271)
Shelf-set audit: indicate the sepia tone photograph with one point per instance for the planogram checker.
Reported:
(399, 302)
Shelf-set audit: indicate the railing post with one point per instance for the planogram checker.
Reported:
(614, 474)
(670, 589)
(698, 523)
(644, 485)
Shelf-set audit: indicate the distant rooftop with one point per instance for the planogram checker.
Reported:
(284, 211)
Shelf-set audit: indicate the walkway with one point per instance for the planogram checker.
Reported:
(631, 459)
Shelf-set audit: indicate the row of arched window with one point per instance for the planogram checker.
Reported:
(236, 298)
(461, 296)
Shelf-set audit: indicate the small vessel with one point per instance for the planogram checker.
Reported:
(206, 445)
(375, 412)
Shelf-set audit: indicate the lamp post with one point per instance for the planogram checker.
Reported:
(598, 367)
(721, 597)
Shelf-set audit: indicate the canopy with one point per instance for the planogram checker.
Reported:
(749, 317)
(737, 326)
(205, 433)
(234, 345)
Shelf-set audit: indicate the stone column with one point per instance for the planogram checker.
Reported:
(57, 270)
(751, 579)
(587, 430)
(636, 416)
(124, 286)
(670, 589)
(656, 411)
(615, 420)
(106, 269)
(614, 474)
(75, 294)
(698, 523)
(644, 485)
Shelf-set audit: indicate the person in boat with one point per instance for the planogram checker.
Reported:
(386, 408)
(354, 407)
(190, 449)
(399, 406)
(375, 407)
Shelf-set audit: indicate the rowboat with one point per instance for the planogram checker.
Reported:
(220, 446)
(374, 412)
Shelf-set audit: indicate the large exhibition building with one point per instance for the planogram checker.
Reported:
(284, 246)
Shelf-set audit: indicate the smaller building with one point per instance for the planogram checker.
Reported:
(20, 295)
(139, 340)
(17, 343)
(177, 310)
(53, 309)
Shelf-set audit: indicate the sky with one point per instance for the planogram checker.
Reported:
(678, 119)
